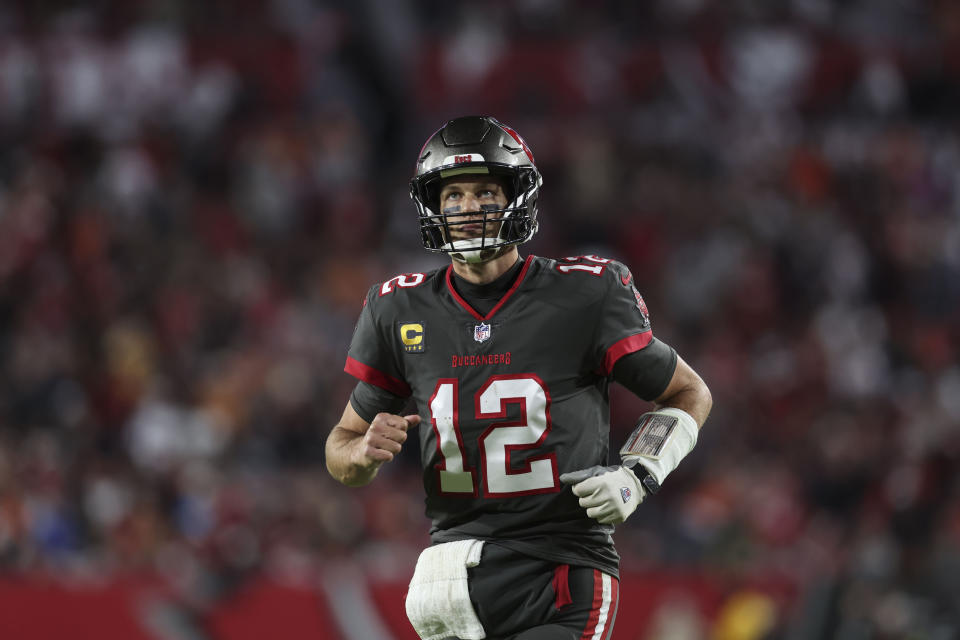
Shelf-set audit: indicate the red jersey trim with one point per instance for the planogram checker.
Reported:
(623, 347)
(503, 300)
(377, 378)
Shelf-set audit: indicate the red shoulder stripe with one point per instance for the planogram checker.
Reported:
(377, 378)
(622, 347)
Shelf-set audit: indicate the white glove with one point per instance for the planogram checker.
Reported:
(609, 494)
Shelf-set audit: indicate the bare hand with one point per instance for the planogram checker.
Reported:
(384, 439)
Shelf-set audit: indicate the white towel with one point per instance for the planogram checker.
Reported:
(438, 601)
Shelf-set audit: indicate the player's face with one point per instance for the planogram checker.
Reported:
(464, 199)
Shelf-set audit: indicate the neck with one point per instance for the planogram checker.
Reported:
(484, 272)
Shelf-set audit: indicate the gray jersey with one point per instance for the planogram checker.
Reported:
(511, 399)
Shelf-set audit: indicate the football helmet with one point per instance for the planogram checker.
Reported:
(474, 145)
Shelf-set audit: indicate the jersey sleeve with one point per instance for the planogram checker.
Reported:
(370, 357)
(647, 372)
(624, 322)
(369, 400)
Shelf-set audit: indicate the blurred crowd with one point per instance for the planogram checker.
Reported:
(195, 197)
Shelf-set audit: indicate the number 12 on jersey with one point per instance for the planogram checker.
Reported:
(498, 441)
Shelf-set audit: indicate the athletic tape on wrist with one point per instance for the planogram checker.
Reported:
(661, 440)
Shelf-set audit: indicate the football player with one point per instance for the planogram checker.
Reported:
(508, 360)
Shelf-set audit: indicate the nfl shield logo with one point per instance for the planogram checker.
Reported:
(481, 332)
(625, 494)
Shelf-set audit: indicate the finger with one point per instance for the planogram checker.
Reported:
(573, 477)
(612, 518)
(598, 512)
(610, 515)
(377, 455)
(412, 420)
(600, 495)
(592, 501)
(587, 487)
(390, 420)
(386, 444)
(389, 432)
(396, 435)
(606, 518)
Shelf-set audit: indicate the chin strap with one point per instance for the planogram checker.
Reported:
(469, 251)
(471, 255)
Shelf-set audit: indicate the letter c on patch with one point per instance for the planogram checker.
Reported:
(411, 334)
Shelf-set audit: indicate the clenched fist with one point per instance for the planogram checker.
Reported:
(356, 449)
(384, 439)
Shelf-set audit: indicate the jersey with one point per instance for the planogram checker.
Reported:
(509, 400)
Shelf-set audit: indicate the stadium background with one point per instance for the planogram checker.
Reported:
(194, 197)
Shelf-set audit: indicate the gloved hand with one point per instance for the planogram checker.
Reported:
(609, 494)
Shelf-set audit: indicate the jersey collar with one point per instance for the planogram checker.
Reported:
(463, 303)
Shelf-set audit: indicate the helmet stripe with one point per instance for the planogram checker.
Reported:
(516, 136)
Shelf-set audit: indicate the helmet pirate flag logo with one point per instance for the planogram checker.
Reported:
(481, 332)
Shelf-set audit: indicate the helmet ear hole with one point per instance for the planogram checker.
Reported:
(507, 185)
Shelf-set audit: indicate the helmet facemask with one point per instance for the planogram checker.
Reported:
(512, 224)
